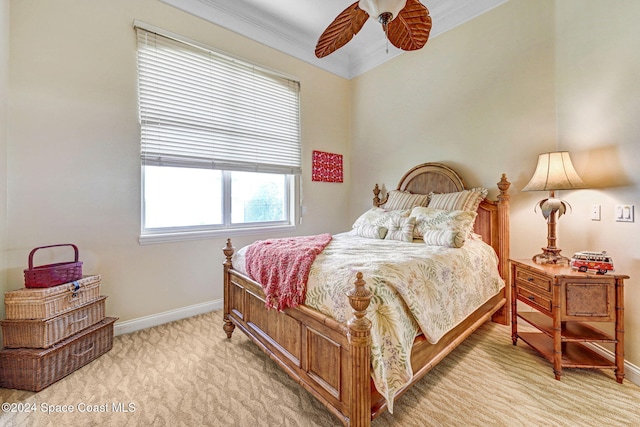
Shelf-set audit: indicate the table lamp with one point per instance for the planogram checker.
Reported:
(553, 172)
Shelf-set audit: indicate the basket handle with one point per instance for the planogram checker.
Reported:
(73, 322)
(93, 344)
(75, 248)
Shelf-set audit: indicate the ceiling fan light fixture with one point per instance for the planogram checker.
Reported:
(410, 32)
(376, 8)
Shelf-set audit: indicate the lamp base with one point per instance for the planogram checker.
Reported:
(550, 256)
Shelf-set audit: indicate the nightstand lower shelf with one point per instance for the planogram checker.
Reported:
(574, 354)
(571, 331)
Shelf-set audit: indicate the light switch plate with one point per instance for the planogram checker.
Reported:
(624, 213)
(595, 213)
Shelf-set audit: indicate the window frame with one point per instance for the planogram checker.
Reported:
(227, 228)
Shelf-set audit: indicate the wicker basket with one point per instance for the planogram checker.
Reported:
(48, 275)
(36, 369)
(47, 332)
(43, 303)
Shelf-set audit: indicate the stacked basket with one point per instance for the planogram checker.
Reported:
(54, 325)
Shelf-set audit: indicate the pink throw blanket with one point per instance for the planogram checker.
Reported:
(282, 267)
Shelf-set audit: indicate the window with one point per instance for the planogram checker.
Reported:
(220, 141)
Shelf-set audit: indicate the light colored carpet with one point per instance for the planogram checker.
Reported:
(187, 373)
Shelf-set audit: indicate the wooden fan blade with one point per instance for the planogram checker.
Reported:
(410, 30)
(341, 30)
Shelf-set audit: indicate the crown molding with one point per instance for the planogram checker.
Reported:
(367, 50)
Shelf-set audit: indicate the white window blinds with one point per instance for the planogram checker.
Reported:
(199, 108)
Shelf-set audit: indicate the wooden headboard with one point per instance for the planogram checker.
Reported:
(492, 222)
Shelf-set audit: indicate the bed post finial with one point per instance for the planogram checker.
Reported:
(377, 201)
(228, 250)
(376, 196)
(359, 335)
(503, 186)
(359, 298)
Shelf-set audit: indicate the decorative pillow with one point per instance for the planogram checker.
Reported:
(401, 229)
(458, 224)
(466, 200)
(379, 217)
(404, 200)
(448, 238)
(371, 231)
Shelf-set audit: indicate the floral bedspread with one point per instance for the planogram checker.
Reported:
(415, 288)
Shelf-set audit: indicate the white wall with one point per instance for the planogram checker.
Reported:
(598, 94)
(73, 149)
(488, 96)
(4, 86)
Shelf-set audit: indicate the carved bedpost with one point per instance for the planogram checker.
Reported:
(502, 315)
(359, 334)
(228, 250)
(503, 218)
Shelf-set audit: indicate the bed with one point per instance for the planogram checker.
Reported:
(332, 359)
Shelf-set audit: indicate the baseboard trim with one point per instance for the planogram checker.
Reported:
(145, 322)
(631, 371)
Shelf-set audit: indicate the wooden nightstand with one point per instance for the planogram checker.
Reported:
(564, 300)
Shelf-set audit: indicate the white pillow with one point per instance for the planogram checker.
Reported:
(379, 217)
(371, 231)
(405, 200)
(448, 238)
(443, 227)
(466, 200)
(400, 228)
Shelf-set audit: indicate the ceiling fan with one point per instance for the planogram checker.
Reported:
(406, 24)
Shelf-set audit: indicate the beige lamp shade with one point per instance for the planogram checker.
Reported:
(554, 172)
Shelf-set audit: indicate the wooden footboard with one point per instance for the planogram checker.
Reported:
(329, 359)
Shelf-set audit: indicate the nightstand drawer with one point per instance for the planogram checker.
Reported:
(535, 282)
(537, 301)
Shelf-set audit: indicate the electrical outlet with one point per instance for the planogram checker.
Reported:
(624, 213)
(595, 213)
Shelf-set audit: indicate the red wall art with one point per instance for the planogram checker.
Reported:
(327, 167)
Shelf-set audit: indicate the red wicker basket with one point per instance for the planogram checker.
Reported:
(45, 276)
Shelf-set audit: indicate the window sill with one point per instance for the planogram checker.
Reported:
(153, 238)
